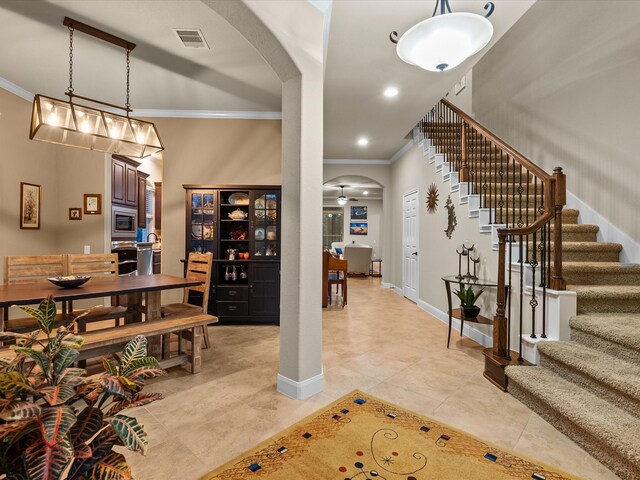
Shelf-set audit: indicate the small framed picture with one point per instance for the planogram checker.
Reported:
(358, 213)
(75, 214)
(358, 228)
(30, 206)
(93, 204)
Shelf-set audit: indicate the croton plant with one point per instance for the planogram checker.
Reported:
(57, 422)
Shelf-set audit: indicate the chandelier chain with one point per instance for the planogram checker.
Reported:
(128, 105)
(70, 60)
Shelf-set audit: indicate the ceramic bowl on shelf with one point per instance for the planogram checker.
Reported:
(259, 234)
(70, 281)
(239, 198)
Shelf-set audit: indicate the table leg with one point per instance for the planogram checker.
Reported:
(134, 308)
(448, 288)
(153, 312)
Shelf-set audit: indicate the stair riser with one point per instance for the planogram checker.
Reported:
(589, 305)
(587, 256)
(614, 349)
(600, 278)
(619, 398)
(598, 449)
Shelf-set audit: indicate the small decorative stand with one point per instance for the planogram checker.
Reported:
(465, 251)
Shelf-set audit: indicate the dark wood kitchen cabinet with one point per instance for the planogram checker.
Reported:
(142, 199)
(244, 220)
(124, 181)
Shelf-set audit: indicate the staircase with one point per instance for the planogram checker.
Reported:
(589, 387)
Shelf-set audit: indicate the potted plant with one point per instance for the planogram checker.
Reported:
(58, 423)
(468, 300)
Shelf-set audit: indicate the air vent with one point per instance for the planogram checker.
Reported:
(191, 38)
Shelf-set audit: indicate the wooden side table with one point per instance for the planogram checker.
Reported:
(372, 271)
(457, 312)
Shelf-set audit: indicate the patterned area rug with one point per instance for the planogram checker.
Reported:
(360, 437)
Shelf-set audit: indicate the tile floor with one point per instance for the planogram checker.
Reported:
(382, 344)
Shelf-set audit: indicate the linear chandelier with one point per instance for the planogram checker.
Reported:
(443, 42)
(64, 122)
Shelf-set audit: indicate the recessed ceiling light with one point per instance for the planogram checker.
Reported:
(365, 193)
(362, 141)
(390, 92)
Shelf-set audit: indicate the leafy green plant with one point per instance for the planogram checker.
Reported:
(468, 297)
(56, 422)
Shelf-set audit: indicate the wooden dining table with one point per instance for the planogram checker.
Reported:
(136, 288)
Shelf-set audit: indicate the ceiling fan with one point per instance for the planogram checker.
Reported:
(342, 199)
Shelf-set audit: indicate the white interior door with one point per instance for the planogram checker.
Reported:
(410, 246)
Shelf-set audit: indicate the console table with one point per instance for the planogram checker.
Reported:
(457, 312)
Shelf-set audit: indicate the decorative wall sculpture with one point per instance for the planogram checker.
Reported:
(452, 221)
(432, 198)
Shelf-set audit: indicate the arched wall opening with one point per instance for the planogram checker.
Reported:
(290, 38)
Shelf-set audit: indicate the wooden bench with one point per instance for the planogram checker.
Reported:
(110, 340)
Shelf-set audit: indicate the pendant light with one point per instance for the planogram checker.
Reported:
(443, 42)
(65, 122)
(342, 200)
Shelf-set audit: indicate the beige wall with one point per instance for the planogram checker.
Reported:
(211, 152)
(64, 174)
(562, 87)
(437, 256)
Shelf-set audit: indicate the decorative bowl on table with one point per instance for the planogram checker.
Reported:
(70, 281)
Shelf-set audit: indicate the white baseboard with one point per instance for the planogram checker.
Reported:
(386, 285)
(398, 290)
(608, 232)
(475, 335)
(300, 390)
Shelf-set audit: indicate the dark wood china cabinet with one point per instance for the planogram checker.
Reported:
(240, 225)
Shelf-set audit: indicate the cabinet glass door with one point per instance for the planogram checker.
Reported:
(266, 224)
(203, 213)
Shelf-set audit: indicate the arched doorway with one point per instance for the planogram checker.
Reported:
(297, 59)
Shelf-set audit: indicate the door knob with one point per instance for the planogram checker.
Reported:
(415, 253)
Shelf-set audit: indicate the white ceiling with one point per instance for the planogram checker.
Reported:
(232, 76)
(361, 62)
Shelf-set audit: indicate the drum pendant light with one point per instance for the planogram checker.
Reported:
(65, 122)
(443, 42)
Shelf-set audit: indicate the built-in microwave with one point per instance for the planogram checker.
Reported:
(124, 223)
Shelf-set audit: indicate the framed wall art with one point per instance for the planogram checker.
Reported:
(75, 214)
(358, 213)
(358, 228)
(92, 204)
(30, 197)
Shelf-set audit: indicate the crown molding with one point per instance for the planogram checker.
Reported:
(150, 113)
(401, 152)
(16, 90)
(354, 161)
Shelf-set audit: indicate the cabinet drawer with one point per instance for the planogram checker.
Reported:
(234, 293)
(233, 308)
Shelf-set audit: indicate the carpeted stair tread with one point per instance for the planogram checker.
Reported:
(611, 431)
(610, 377)
(621, 329)
(589, 247)
(607, 298)
(601, 273)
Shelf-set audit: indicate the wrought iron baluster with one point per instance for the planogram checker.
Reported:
(527, 211)
(533, 262)
(521, 300)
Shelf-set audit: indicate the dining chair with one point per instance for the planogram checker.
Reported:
(32, 269)
(199, 266)
(97, 265)
(334, 272)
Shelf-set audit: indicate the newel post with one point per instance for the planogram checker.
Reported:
(500, 320)
(557, 280)
(464, 167)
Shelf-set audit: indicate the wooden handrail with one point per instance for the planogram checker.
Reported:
(477, 155)
(532, 167)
